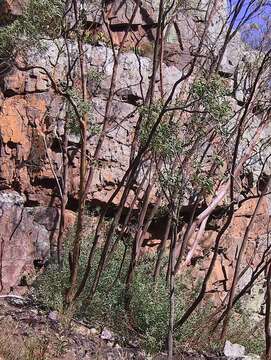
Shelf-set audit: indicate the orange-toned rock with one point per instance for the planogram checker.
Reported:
(236, 231)
(14, 122)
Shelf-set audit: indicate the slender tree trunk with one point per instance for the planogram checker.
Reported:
(162, 249)
(261, 267)
(179, 323)
(83, 124)
(106, 246)
(64, 197)
(128, 215)
(172, 292)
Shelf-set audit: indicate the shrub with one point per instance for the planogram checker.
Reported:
(248, 332)
(149, 306)
(148, 316)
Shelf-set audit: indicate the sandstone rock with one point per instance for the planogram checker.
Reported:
(23, 129)
(30, 122)
(120, 12)
(232, 57)
(69, 356)
(93, 13)
(133, 77)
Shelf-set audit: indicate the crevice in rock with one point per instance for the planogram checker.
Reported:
(12, 145)
(6, 18)
(39, 263)
(56, 146)
(240, 102)
(16, 225)
(224, 74)
(94, 207)
(45, 182)
(4, 67)
(11, 92)
(123, 27)
(16, 185)
(72, 204)
(31, 203)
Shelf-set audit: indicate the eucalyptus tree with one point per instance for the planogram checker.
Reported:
(196, 139)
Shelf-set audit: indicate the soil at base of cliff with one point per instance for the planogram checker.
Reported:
(28, 332)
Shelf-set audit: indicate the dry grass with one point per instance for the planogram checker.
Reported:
(14, 348)
(17, 346)
(11, 345)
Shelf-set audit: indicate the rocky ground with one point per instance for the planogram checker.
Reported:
(29, 332)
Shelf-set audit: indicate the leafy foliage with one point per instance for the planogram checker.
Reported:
(82, 107)
(165, 141)
(204, 182)
(41, 20)
(211, 97)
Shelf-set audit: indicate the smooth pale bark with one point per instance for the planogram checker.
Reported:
(222, 192)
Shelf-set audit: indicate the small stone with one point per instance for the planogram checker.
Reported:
(106, 335)
(133, 344)
(15, 301)
(69, 356)
(233, 350)
(93, 331)
(53, 316)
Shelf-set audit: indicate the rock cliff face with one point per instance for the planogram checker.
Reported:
(31, 129)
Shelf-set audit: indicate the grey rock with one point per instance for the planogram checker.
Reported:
(93, 13)
(11, 198)
(26, 234)
(16, 301)
(74, 139)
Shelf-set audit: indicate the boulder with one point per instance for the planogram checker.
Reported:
(233, 351)
(27, 235)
